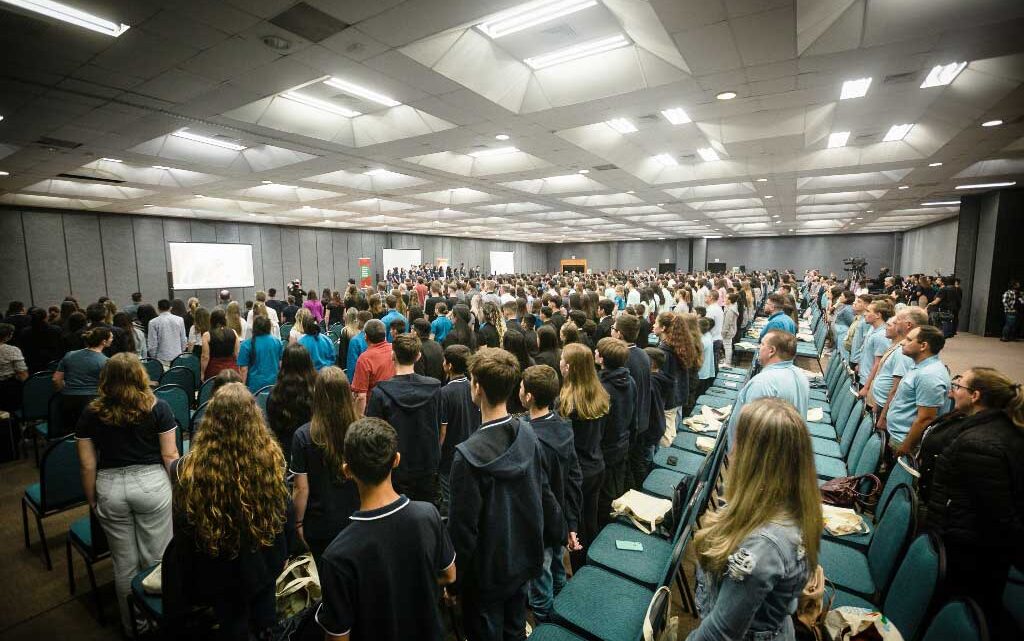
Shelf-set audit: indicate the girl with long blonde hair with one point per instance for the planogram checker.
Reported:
(322, 496)
(584, 401)
(233, 313)
(125, 439)
(298, 327)
(230, 508)
(755, 553)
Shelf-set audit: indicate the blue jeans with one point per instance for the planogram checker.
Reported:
(543, 589)
(1010, 327)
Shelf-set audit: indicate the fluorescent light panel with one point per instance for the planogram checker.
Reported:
(838, 139)
(666, 159)
(708, 154)
(939, 203)
(943, 74)
(855, 88)
(361, 92)
(495, 151)
(898, 132)
(575, 52)
(621, 125)
(216, 142)
(1009, 183)
(531, 15)
(70, 15)
(317, 103)
(112, 159)
(676, 115)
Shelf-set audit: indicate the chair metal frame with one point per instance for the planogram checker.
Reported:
(26, 505)
(90, 558)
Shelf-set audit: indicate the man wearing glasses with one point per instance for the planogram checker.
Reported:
(922, 395)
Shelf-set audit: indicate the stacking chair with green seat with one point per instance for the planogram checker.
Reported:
(867, 573)
(263, 397)
(958, 620)
(286, 328)
(552, 632)
(183, 378)
(865, 454)
(178, 399)
(908, 598)
(841, 409)
(141, 602)
(846, 431)
(192, 362)
(899, 475)
(59, 489)
(36, 394)
(87, 538)
(1013, 598)
(153, 369)
(205, 391)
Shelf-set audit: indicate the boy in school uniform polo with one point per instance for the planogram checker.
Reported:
(382, 573)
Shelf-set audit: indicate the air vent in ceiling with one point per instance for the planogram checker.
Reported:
(897, 78)
(308, 22)
(865, 137)
(649, 117)
(46, 141)
(94, 179)
(563, 30)
(605, 167)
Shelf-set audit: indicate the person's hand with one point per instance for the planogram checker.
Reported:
(902, 450)
(882, 424)
(450, 600)
(862, 393)
(574, 543)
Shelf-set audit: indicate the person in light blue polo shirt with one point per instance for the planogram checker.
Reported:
(893, 364)
(777, 317)
(922, 395)
(392, 314)
(875, 341)
(843, 317)
(779, 378)
(860, 307)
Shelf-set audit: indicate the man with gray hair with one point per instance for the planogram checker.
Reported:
(893, 365)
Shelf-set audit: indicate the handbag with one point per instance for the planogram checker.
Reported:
(298, 586)
(809, 618)
(845, 491)
(847, 623)
(645, 511)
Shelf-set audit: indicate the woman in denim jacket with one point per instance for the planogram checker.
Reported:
(755, 553)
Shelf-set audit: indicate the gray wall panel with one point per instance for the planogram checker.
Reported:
(307, 259)
(14, 277)
(988, 220)
(203, 231)
(84, 258)
(339, 247)
(290, 255)
(270, 251)
(250, 235)
(804, 252)
(325, 259)
(928, 249)
(179, 231)
(597, 255)
(47, 256)
(149, 252)
(120, 267)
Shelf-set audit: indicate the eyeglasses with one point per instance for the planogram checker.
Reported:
(955, 384)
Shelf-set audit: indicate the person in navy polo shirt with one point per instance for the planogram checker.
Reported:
(499, 504)
(382, 574)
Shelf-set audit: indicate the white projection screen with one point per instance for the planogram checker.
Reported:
(503, 262)
(211, 265)
(401, 258)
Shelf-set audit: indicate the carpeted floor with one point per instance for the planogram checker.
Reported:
(34, 602)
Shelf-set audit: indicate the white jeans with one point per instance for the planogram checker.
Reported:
(133, 505)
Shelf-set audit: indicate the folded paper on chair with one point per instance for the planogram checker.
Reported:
(842, 521)
(815, 414)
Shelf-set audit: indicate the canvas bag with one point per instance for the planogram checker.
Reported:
(845, 491)
(847, 623)
(298, 587)
(644, 510)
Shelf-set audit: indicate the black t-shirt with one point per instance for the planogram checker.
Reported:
(123, 445)
(431, 362)
(461, 415)
(430, 304)
(379, 575)
(332, 499)
(288, 312)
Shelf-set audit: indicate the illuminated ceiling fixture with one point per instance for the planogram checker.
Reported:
(380, 171)
(324, 105)
(207, 140)
(897, 132)
(991, 123)
(502, 137)
(726, 95)
(583, 171)
(361, 92)
(676, 115)
(531, 15)
(621, 125)
(708, 154)
(495, 151)
(943, 74)
(935, 164)
(855, 88)
(5, 173)
(164, 167)
(578, 51)
(838, 139)
(112, 159)
(666, 159)
(71, 15)
(940, 203)
(903, 187)
(762, 180)
(1009, 183)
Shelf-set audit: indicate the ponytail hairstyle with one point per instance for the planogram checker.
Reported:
(998, 392)
(95, 336)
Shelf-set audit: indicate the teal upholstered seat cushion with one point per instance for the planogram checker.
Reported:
(846, 567)
(826, 447)
(152, 604)
(822, 430)
(647, 566)
(830, 468)
(550, 632)
(662, 482)
(602, 604)
(685, 462)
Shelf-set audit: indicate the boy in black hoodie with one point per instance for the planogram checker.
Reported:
(662, 387)
(499, 502)
(620, 430)
(537, 393)
(412, 405)
(459, 416)
(627, 328)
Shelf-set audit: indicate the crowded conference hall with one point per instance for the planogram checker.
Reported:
(568, 320)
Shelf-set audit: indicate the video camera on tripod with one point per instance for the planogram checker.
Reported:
(856, 265)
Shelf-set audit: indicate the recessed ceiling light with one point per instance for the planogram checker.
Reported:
(660, 205)
(769, 197)
(361, 92)
(502, 137)
(991, 123)
(582, 50)
(494, 151)
(838, 139)
(379, 171)
(943, 74)
(903, 187)
(676, 115)
(897, 132)
(621, 125)
(860, 218)
(935, 164)
(790, 230)
(762, 180)
(631, 192)
(531, 15)
(726, 95)
(869, 211)
(164, 167)
(112, 159)
(708, 154)
(939, 203)
(855, 88)
(775, 215)
(323, 105)
(666, 159)
(778, 222)
(1009, 183)
(147, 205)
(661, 238)
(216, 142)
(306, 207)
(253, 215)
(71, 15)
(198, 196)
(583, 171)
